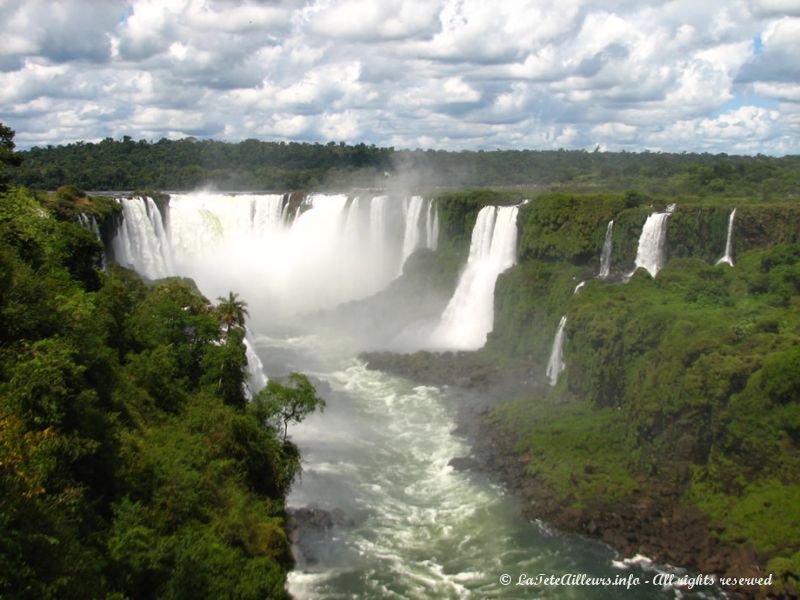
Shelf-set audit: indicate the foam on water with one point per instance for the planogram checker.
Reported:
(422, 529)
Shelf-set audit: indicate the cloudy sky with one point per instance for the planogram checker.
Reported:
(696, 75)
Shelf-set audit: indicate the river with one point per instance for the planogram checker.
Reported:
(408, 525)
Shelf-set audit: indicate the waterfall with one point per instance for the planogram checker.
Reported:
(333, 251)
(578, 287)
(377, 219)
(469, 316)
(352, 221)
(256, 379)
(141, 242)
(91, 224)
(432, 227)
(650, 254)
(556, 363)
(605, 255)
(411, 237)
(728, 257)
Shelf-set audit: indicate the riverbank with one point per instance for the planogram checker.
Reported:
(651, 521)
(636, 515)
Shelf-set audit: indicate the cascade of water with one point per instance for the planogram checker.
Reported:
(352, 220)
(650, 254)
(605, 255)
(256, 379)
(95, 229)
(141, 241)
(199, 221)
(433, 226)
(285, 203)
(578, 287)
(160, 232)
(728, 256)
(556, 363)
(333, 251)
(411, 237)
(377, 219)
(469, 316)
(91, 223)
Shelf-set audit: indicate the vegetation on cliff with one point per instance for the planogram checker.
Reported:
(690, 379)
(131, 465)
(686, 385)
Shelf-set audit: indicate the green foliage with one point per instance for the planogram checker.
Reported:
(188, 163)
(7, 155)
(698, 232)
(578, 452)
(130, 464)
(564, 226)
(690, 378)
(633, 198)
(529, 301)
(285, 404)
(232, 311)
(766, 513)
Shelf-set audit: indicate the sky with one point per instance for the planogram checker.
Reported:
(694, 75)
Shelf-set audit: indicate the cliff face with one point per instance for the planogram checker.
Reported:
(693, 375)
(680, 392)
(700, 231)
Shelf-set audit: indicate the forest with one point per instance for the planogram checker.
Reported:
(131, 463)
(189, 163)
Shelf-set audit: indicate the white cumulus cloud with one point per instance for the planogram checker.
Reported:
(719, 76)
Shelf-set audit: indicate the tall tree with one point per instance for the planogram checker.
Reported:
(7, 155)
(232, 311)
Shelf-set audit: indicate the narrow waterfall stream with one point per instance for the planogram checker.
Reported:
(403, 523)
(605, 255)
(727, 258)
(556, 363)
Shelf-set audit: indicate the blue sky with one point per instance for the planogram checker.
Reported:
(717, 76)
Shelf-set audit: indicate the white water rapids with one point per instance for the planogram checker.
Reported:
(412, 526)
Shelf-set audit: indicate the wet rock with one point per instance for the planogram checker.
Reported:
(312, 517)
(463, 463)
(313, 534)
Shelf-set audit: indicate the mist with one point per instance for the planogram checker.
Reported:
(294, 262)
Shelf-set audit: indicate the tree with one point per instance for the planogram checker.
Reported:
(286, 404)
(7, 155)
(231, 311)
